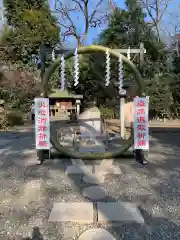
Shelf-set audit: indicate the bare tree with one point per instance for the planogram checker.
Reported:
(85, 13)
(156, 10)
(174, 35)
(172, 29)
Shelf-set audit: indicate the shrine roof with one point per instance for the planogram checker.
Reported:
(56, 93)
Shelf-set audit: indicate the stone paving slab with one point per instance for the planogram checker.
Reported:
(80, 212)
(123, 211)
(96, 178)
(70, 232)
(115, 170)
(96, 234)
(95, 193)
(78, 169)
(107, 166)
(77, 161)
(96, 149)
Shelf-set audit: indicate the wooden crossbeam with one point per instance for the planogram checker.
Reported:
(133, 50)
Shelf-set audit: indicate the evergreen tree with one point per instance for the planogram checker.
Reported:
(128, 28)
(31, 24)
(175, 84)
(14, 9)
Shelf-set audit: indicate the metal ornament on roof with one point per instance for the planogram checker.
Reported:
(62, 78)
(107, 79)
(121, 90)
(76, 68)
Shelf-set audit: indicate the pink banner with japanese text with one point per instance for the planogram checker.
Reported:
(42, 123)
(141, 124)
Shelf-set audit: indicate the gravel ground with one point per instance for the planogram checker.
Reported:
(28, 191)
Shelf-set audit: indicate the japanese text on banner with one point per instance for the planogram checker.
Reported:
(141, 126)
(42, 123)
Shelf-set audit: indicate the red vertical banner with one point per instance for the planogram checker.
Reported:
(141, 123)
(42, 123)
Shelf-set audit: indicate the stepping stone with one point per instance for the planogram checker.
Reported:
(54, 162)
(95, 193)
(79, 212)
(96, 234)
(94, 178)
(107, 167)
(77, 161)
(115, 170)
(94, 149)
(107, 162)
(123, 211)
(70, 232)
(78, 169)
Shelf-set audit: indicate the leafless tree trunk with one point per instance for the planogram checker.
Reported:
(89, 13)
(156, 10)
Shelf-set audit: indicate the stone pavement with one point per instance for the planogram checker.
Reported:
(71, 199)
(108, 212)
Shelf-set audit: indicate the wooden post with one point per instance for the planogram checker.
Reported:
(141, 52)
(2, 15)
(122, 103)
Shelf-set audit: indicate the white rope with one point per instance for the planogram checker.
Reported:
(129, 53)
(62, 73)
(53, 56)
(107, 80)
(121, 90)
(76, 68)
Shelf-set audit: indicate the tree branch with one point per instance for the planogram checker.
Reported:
(95, 10)
(159, 7)
(164, 9)
(65, 14)
(81, 6)
(86, 21)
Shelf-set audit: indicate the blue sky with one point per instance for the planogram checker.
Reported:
(93, 33)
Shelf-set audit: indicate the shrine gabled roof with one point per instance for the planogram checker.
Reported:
(57, 93)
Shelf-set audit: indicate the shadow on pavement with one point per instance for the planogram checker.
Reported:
(166, 135)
